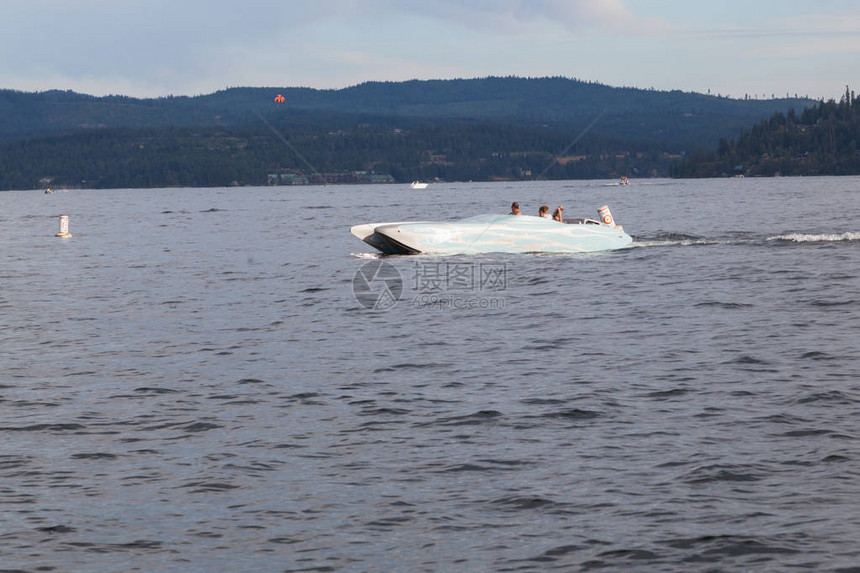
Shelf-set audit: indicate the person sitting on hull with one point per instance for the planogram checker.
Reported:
(515, 209)
(557, 214)
(544, 212)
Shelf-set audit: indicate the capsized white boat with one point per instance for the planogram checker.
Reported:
(495, 234)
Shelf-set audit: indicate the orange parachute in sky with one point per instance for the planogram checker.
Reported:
(280, 99)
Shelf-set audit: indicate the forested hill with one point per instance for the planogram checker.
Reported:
(676, 118)
(820, 140)
(479, 129)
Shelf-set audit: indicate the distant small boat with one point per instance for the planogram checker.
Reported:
(419, 185)
(623, 181)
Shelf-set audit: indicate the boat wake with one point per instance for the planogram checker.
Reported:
(821, 238)
(682, 240)
(673, 240)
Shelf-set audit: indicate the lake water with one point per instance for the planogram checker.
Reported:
(190, 384)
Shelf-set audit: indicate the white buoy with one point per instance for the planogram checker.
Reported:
(64, 227)
(606, 216)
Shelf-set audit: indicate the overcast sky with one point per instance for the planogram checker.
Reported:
(150, 48)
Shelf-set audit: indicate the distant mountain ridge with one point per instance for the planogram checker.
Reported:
(677, 118)
(453, 130)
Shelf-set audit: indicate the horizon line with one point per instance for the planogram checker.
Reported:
(747, 97)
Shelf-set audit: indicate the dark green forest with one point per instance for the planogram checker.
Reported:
(562, 104)
(820, 140)
(478, 129)
(251, 155)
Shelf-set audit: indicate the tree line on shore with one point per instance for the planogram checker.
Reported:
(820, 140)
(249, 155)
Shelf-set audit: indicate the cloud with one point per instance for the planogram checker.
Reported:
(506, 15)
(156, 46)
(821, 35)
(160, 47)
(812, 35)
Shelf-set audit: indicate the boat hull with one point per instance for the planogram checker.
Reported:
(492, 234)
